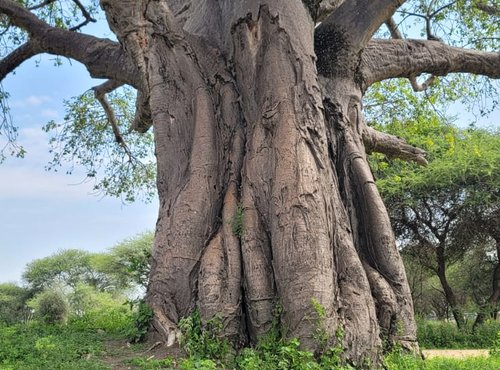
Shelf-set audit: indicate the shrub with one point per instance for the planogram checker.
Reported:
(51, 307)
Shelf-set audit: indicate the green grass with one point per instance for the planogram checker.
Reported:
(446, 335)
(79, 345)
(37, 346)
(399, 361)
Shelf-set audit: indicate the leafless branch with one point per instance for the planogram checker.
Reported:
(86, 15)
(362, 18)
(395, 34)
(100, 94)
(41, 5)
(488, 9)
(392, 146)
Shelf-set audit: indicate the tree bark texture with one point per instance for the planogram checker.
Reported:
(266, 196)
(247, 133)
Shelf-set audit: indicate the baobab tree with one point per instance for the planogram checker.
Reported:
(266, 196)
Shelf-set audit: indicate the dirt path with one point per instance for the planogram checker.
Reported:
(454, 353)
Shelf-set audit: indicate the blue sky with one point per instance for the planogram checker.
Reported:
(42, 212)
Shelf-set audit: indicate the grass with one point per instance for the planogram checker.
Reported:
(39, 346)
(400, 361)
(81, 346)
(446, 335)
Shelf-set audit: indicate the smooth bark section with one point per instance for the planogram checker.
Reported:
(383, 59)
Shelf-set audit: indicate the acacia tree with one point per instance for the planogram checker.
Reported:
(442, 211)
(256, 115)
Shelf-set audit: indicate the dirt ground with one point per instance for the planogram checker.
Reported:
(454, 353)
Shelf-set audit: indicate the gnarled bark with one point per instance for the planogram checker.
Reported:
(256, 144)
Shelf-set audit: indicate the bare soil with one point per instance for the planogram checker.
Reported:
(454, 353)
(119, 352)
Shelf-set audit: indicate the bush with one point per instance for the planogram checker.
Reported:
(51, 307)
(99, 310)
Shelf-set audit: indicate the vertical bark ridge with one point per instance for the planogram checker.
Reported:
(373, 234)
(285, 170)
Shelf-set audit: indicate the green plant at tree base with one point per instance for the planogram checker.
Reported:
(204, 341)
(143, 316)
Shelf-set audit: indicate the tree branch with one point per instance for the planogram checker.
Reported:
(103, 58)
(17, 57)
(100, 94)
(392, 146)
(346, 31)
(395, 34)
(362, 18)
(383, 59)
(488, 9)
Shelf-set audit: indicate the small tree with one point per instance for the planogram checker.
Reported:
(13, 303)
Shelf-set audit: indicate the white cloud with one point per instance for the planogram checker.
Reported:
(30, 101)
(33, 182)
(49, 113)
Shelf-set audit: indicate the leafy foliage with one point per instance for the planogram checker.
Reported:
(37, 346)
(68, 268)
(86, 139)
(445, 213)
(129, 261)
(51, 307)
(142, 316)
(203, 341)
(446, 335)
(12, 303)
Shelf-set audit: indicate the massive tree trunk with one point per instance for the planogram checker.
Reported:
(266, 196)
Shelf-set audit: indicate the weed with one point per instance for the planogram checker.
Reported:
(203, 341)
(142, 320)
(237, 222)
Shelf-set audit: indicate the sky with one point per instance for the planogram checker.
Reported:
(44, 212)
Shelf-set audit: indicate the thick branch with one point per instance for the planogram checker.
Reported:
(345, 32)
(488, 9)
(392, 146)
(103, 58)
(362, 18)
(383, 59)
(395, 34)
(18, 56)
